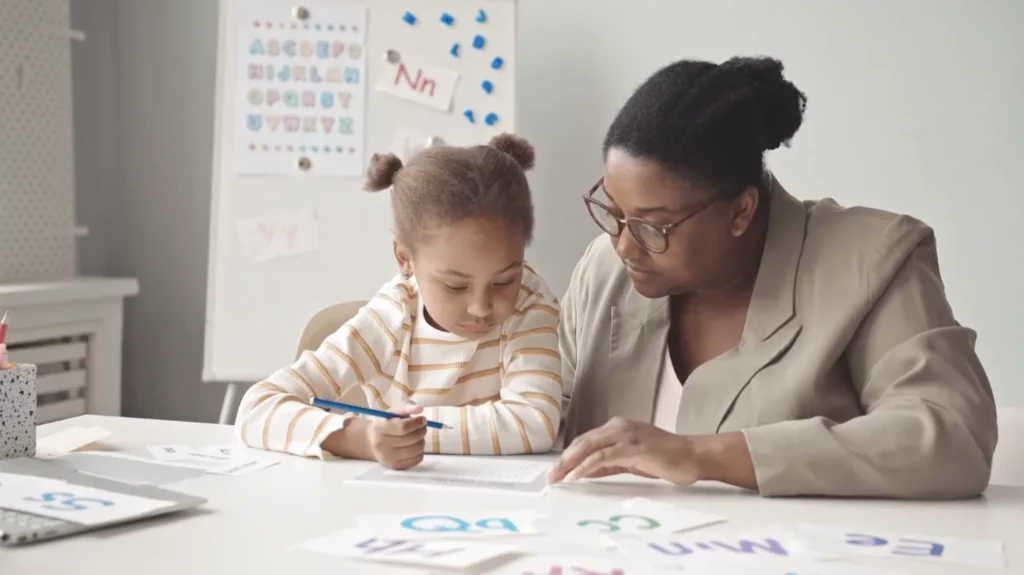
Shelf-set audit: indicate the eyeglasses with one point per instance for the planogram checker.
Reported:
(653, 237)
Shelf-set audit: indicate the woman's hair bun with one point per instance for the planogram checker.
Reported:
(515, 146)
(782, 105)
(381, 173)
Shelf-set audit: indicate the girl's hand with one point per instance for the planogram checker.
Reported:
(397, 443)
(394, 443)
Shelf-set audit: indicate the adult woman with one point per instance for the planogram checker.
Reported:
(816, 347)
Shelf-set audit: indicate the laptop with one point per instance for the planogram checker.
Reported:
(19, 528)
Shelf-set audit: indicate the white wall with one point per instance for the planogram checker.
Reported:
(910, 108)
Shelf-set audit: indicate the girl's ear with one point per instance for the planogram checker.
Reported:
(404, 259)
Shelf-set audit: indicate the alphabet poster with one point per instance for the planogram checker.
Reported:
(300, 89)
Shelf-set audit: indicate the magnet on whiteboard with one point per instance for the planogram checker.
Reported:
(454, 50)
(478, 42)
(392, 56)
(300, 13)
(487, 86)
(434, 141)
(447, 19)
(497, 62)
(481, 16)
(469, 116)
(409, 18)
(305, 164)
(491, 119)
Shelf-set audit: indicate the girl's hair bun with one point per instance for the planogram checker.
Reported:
(515, 146)
(381, 173)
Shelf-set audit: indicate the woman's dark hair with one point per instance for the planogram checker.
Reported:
(443, 185)
(710, 123)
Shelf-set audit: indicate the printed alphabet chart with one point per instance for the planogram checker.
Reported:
(301, 89)
(451, 525)
(871, 543)
(360, 544)
(75, 503)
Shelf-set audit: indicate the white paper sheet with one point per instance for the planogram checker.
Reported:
(871, 543)
(494, 470)
(220, 460)
(569, 565)
(75, 503)
(688, 549)
(456, 524)
(763, 566)
(278, 236)
(68, 440)
(360, 544)
(300, 90)
(168, 452)
(416, 82)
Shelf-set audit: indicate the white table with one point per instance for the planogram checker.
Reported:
(251, 522)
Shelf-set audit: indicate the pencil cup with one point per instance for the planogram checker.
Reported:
(18, 411)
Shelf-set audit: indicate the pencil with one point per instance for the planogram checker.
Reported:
(317, 402)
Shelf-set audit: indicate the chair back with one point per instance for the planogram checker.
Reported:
(1008, 461)
(324, 323)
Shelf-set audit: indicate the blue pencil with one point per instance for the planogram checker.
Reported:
(316, 402)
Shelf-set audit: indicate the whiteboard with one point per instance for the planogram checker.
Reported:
(288, 242)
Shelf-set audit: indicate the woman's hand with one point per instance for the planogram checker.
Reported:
(621, 446)
(396, 443)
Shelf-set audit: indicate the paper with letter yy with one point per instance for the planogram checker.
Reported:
(277, 236)
(477, 472)
(407, 143)
(360, 544)
(870, 543)
(75, 503)
(300, 90)
(68, 440)
(428, 85)
(468, 525)
(687, 549)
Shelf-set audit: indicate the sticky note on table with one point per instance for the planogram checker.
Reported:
(455, 524)
(77, 503)
(682, 550)
(359, 544)
(68, 440)
(569, 565)
(872, 543)
(764, 566)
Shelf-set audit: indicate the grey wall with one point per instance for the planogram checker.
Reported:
(144, 98)
(144, 101)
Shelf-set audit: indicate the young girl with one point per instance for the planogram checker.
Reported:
(465, 334)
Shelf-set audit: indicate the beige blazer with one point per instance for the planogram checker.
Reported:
(852, 377)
